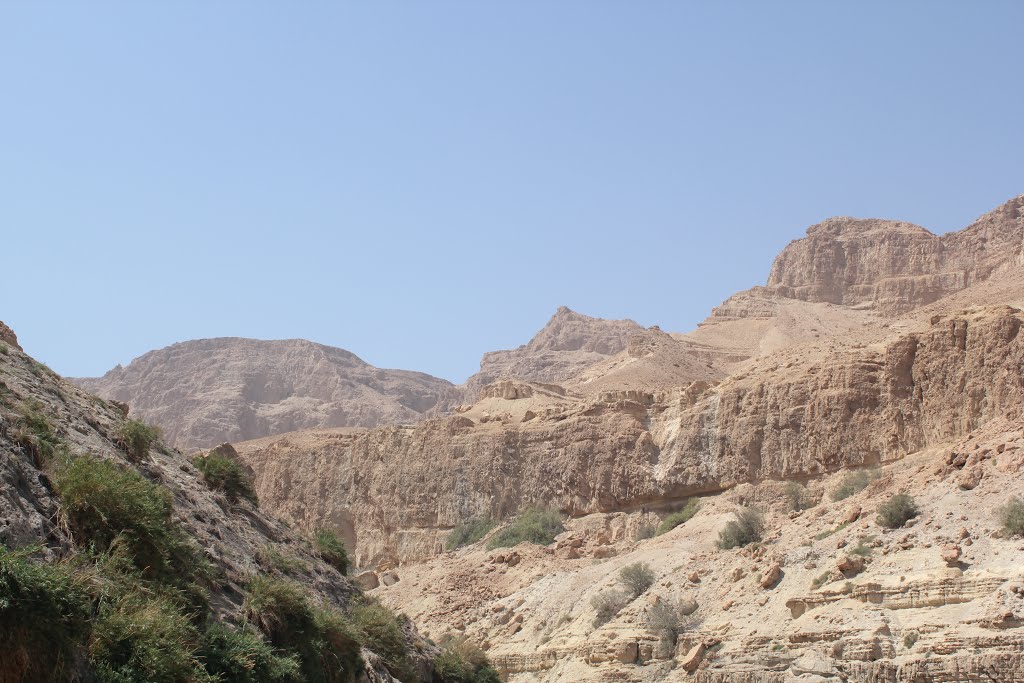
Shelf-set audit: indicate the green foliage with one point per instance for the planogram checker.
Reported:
(897, 511)
(532, 525)
(863, 547)
(331, 549)
(607, 604)
(1011, 516)
(320, 638)
(680, 517)
(138, 437)
(909, 639)
(851, 483)
(469, 532)
(798, 496)
(107, 505)
(382, 632)
(35, 434)
(4, 350)
(644, 532)
(821, 580)
(463, 662)
(745, 529)
(241, 655)
(140, 637)
(44, 616)
(285, 562)
(637, 578)
(222, 473)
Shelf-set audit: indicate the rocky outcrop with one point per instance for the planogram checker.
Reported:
(892, 266)
(403, 488)
(8, 337)
(209, 391)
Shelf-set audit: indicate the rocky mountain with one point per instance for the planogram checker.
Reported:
(121, 559)
(208, 391)
(874, 348)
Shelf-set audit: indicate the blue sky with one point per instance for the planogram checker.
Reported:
(421, 182)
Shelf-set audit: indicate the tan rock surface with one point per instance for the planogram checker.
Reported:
(209, 391)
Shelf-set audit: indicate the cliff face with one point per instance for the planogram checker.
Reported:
(400, 489)
(209, 391)
(893, 267)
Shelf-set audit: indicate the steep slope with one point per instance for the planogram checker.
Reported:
(209, 391)
(118, 560)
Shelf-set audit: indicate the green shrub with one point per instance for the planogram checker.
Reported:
(323, 641)
(240, 655)
(798, 496)
(382, 632)
(897, 511)
(142, 637)
(851, 483)
(909, 639)
(680, 517)
(607, 604)
(637, 578)
(44, 618)
(644, 532)
(222, 473)
(820, 580)
(331, 549)
(285, 562)
(34, 433)
(1011, 516)
(532, 525)
(107, 505)
(745, 529)
(137, 437)
(463, 662)
(469, 532)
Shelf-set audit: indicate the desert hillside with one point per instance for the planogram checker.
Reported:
(877, 351)
(208, 391)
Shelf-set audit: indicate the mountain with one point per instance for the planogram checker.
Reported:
(879, 359)
(209, 391)
(123, 559)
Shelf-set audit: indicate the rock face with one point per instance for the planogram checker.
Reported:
(569, 343)
(209, 391)
(894, 267)
(7, 336)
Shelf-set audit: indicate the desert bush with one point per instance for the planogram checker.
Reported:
(798, 496)
(283, 562)
(897, 511)
(138, 437)
(680, 517)
(222, 473)
(532, 525)
(105, 504)
(241, 655)
(44, 618)
(909, 639)
(325, 643)
(382, 630)
(745, 529)
(607, 604)
(464, 662)
(644, 532)
(331, 549)
(34, 433)
(820, 580)
(1011, 516)
(851, 483)
(469, 532)
(637, 578)
(668, 619)
(140, 636)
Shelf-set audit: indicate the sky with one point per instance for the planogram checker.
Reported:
(421, 182)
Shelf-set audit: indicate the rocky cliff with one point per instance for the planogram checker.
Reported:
(209, 391)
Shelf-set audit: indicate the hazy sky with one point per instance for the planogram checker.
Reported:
(421, 182)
